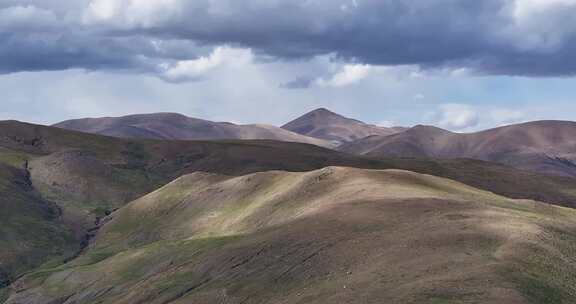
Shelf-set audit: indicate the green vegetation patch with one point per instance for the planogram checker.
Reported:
(449, 297)
(538, 291)
(441, 300)
(167, 263)
(135, 155)
(14, 159)
(546, 274)
(3, 294)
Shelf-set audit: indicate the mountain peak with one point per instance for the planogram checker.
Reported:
(320, 110)
(427, 129)
(325, 114)
(323, 111)
(325, 124)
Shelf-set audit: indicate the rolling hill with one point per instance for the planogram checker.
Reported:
(541, 146)
(325, 124)
(57, 186)
(335, 235)
(172, 126)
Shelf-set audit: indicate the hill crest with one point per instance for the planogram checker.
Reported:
(174, 126)
(544, 146)
(325, 124)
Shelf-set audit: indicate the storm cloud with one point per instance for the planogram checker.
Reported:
(497, 37)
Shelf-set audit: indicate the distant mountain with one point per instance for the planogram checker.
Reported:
(325, 124)
(543, 146)
(172, 126)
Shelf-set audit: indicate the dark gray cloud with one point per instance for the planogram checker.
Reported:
(508, 37)
(298, 83)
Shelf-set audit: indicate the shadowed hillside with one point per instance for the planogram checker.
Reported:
(541, 146)
(30, 228)
(334, 235)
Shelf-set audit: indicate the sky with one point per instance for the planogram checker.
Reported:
(459, 64)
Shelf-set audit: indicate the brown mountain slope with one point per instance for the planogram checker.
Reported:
(336, 235)
(541, 146)
(179, 127)
(150, 162)
(327, 125)
(85, 176)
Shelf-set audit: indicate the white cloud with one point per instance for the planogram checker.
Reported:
(103, 9)
(506, 116)
(418, 96)
(540, 25)
(528, 8)
(348, 75)
(386, 124)
(194, 70)
(467, 118)
(454, 116)
(130, 13)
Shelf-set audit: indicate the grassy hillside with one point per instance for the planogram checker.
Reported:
(89, 175)
(336, 235)
(83, 177)
(500, 179)
(52, 192)
(31, 231)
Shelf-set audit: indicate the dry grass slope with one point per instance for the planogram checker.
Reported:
(335, 235)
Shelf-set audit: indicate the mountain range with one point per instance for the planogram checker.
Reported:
(541, 146)
(330, 210)
(320, 127)
(179, 127)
